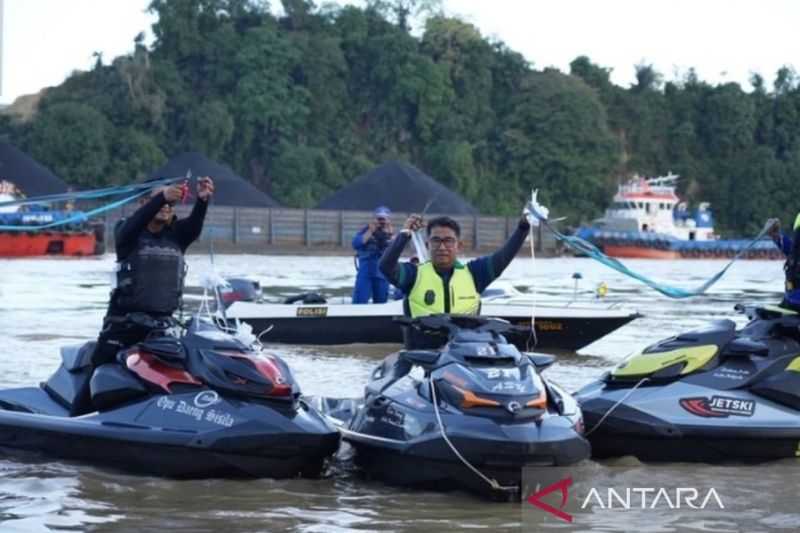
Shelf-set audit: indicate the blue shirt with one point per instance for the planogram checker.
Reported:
(370, 252)
(784, 244)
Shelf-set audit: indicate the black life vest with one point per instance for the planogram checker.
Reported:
(150, 280)
(792, 264)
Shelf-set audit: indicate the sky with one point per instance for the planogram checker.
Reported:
(724, 40)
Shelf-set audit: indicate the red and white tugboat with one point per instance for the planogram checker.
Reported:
(648, 220)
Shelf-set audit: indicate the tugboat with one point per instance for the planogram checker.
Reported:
(74, 239)
(648, 220)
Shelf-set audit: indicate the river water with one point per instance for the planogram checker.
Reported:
(47, 303)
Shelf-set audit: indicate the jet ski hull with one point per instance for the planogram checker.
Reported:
(172, 435)
(430, 462)
(660, 429)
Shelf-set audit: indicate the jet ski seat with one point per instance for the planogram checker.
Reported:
(745, 346)
(111, 385)
(167, 349)
(719, 332)
(69, 386)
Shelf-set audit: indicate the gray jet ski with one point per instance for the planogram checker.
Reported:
(714, 394)
(481, 413)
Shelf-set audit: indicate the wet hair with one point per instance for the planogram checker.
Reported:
(444, 222)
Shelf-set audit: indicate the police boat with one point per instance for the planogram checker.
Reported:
(476, 414)
(190, 404)
(715, 394)
(310, 318)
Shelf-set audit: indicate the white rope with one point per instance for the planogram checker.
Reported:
(533, 294)
(613, 407)
(492, 482)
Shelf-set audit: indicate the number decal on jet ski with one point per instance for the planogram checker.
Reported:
(500, 373)
(318, 312)
(718, 406)
(509, 386)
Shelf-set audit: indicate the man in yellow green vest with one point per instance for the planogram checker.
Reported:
(790, 246)
(444, 284)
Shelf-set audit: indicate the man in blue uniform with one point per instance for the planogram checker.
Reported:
(790, 246)
(369, 244)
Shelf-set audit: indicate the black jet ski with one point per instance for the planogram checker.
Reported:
(480, 414)
(714, 394)
(198, 405)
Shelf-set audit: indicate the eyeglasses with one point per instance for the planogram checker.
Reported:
(448, 242)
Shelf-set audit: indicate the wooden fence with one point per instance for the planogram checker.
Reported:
(271, 230)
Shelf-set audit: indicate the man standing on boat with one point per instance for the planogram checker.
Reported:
(790, 246)
(444, 284)
(150, 245)
(369, 243)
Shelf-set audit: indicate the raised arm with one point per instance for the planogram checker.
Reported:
(189, 229)
(400, 275)
(488, 268)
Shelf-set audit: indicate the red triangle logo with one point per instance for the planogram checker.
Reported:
(563, 486)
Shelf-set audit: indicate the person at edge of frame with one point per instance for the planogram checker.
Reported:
(790, 246)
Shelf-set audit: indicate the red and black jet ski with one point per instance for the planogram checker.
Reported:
(200, 404)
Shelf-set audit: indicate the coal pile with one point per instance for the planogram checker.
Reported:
(30, 177)
(401, 187)
(230, 188)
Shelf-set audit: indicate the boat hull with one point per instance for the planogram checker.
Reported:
(32, 244)
(556, 328)
(635, 252)
(639, 245)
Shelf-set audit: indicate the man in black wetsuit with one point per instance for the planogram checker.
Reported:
(444, 284)
(150, 267)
